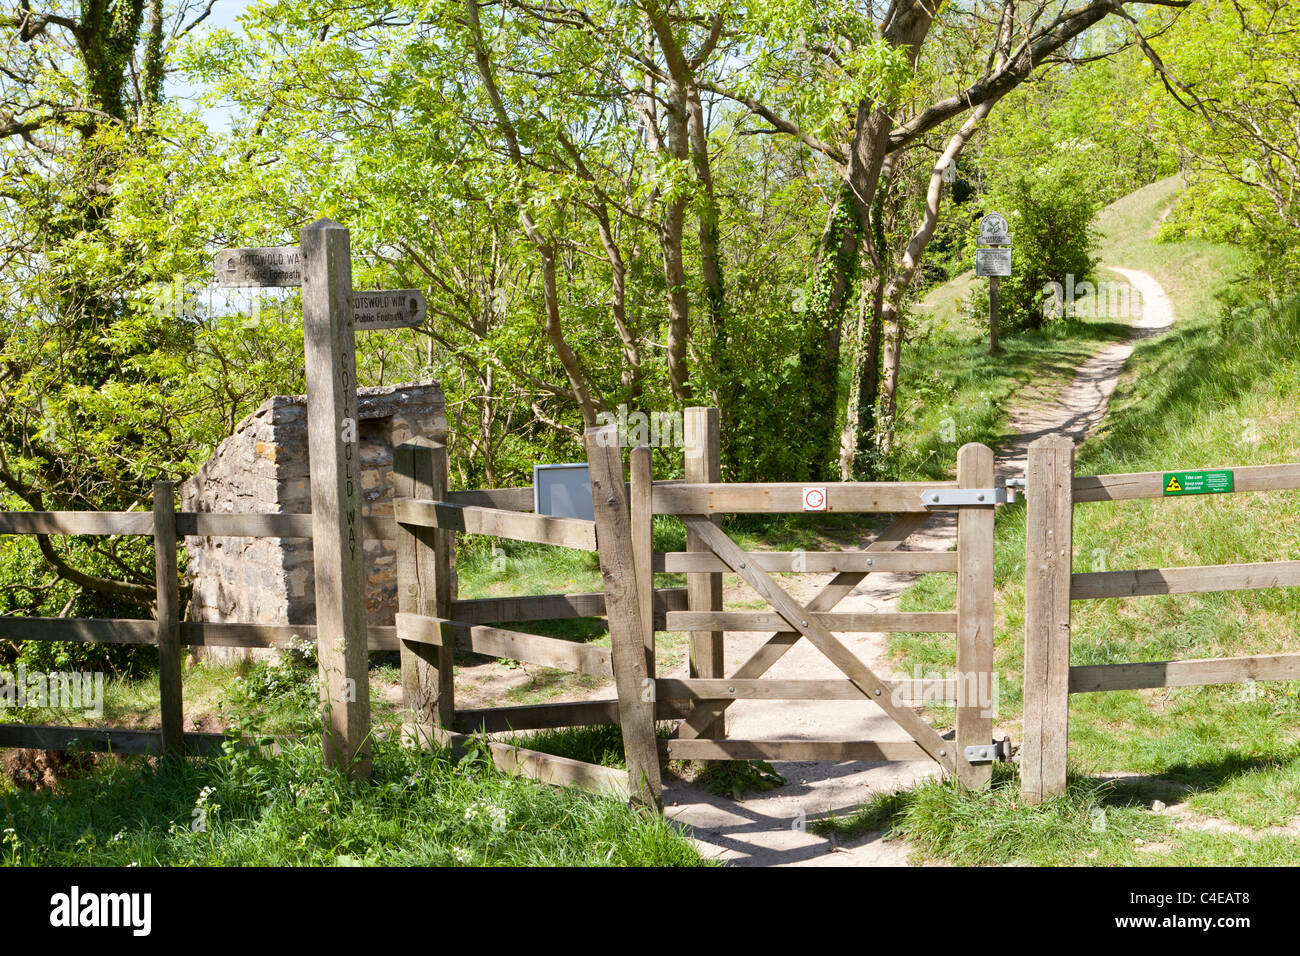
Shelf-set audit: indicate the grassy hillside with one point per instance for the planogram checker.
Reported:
(1219, 389)
(954, 392)
(1126, 232)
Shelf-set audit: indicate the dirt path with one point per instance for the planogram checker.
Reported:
(764, 829)
(1079, 407)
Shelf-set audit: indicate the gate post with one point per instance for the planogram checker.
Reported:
(974, 616)
(168, 632)
(424, 587)
(636, 697)
(703, 462)
(1049, 513)
(642, 510)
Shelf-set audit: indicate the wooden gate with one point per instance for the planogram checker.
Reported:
(702, 734)
(431, 622)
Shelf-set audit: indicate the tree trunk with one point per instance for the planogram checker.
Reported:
(678, 145)
(899, 285)
(893, 325)
(819, 355)
(858, 441)
(837, 259)
(679, 324)
(109, 31)
(730, 386)
(153, 67)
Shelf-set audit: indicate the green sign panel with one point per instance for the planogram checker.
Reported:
(1197, 482)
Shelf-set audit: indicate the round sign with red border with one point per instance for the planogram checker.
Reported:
(814, 499)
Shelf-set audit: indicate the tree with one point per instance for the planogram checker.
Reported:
(75, 105)
(864, 69)
(1227, 97)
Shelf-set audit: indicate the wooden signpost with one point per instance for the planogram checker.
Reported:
(278, 266)
(322, 266)
(993, 259)
(388, 309)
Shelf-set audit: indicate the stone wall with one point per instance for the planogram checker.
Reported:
(263, 467)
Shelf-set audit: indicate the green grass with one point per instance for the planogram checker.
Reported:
(250, 807)
(953, 392)
(247, 809)
(1217, 390)
(941, 306)
(1096, 822)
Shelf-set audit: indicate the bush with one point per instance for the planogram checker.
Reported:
(1052, 237)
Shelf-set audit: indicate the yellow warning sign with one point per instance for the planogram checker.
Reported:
(1173, 484)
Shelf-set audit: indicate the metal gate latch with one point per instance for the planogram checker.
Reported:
(990, 752)
(950, 497)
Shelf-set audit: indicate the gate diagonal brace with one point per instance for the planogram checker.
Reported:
(796, 616)
(776, 645)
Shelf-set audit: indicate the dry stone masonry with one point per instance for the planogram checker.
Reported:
(263, 467)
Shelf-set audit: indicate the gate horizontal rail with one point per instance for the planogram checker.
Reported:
(731, 688)
(850, 497)
(696, 748)
(844, 622)
(812, 562)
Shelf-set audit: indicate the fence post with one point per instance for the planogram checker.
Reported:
(636, 705)
(642, 491)
(1049, 513)
(975, 699)
(334, 449)
(424, 587)
(704, 588)
(168, 632)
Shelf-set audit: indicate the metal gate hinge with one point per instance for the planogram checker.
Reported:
(956, 497)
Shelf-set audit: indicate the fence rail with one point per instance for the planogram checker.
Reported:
(165, 631)
(102, 740)
(1150, 484)
(192, 633)
(203, 524)
(1199, 580)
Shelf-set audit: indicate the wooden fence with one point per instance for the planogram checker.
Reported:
(431, 622)
(1051, 585)
(170, 634)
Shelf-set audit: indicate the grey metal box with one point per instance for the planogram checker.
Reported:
(563, 491)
